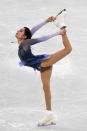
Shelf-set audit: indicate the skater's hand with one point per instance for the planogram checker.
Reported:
(51, 19)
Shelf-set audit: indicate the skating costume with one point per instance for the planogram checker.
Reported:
(25, 53)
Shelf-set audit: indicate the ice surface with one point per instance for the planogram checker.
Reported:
(21, 94)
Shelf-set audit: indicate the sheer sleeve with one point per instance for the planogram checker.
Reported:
(47, 37)
(37, 27)
(27, 43)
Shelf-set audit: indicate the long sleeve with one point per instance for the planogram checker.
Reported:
(41, 39)
(37, 27)
(47, 37)
(29, 42)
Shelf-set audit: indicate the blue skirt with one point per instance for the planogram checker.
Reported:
(35, 61)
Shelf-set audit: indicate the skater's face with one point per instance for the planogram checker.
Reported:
(20, 34)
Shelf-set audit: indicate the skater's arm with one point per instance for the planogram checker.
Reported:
(37, 27)
(43, 38)
(28, 42)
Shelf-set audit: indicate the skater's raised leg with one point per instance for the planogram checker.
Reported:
(59, 54)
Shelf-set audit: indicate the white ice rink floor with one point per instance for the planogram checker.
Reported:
(21, 94)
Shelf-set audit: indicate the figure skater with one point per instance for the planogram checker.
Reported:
(42, 63)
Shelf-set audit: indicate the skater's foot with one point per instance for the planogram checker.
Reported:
(49, 119)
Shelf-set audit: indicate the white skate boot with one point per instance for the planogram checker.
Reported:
(49, 119)
(60, 19)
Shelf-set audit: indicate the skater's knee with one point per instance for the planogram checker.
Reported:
(46, 88)
(68, 50)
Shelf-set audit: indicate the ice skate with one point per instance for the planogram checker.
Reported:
(50, 119)
(61, 19)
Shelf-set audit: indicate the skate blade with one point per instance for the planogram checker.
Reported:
(46, 124)
(61, 12)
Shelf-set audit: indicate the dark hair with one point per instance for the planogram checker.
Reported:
(28, 33)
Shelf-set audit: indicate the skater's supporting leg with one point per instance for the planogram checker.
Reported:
(45, 77)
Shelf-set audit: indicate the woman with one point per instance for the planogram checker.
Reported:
(42, 63)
